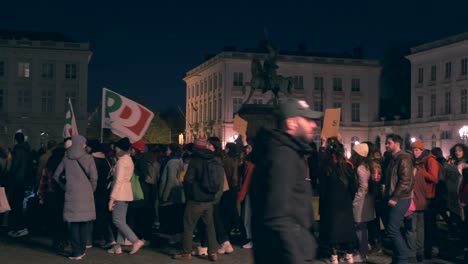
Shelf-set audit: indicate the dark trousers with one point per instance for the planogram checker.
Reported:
(362, 236)
(79, 237)
(414, 233)
(103, 224)
(221, 235)
(57, 228)
(16, 219)
(172, 218)
(430, 229)
(395, 216)
(193, 211)
(228, 210)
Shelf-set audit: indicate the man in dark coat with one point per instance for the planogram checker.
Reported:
(19, 178)
(281, 197)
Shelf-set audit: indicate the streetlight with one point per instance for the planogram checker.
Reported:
(413, 139)
(463, 133)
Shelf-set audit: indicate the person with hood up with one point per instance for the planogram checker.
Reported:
(281, 197)
(80, 184)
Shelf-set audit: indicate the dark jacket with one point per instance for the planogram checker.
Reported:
(281, 199)
(192, 188)
(399, 176)
(21, 173)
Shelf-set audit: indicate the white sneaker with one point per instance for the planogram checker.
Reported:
(21, 233)
(226, 248)
(349, 258)
(77, 257)
(332, 260)
(137, 246)
(359, 259)
(248, 245)
(201, 251)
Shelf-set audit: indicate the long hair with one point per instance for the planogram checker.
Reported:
(464, 148)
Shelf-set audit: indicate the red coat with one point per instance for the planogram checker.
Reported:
(428, 166)
(249, 168)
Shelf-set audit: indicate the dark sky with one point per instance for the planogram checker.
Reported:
(143, 49)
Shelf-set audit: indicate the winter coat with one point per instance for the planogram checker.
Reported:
(364, 201)
(428, 166)
(78, 187)
(170, 187)
(20, 174)
(245, 188)
(281, 199)
(231, 166)
(399, 177)
(122, 172)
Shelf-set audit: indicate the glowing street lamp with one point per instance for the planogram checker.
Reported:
(463, 133)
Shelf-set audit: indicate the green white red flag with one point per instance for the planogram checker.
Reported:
(124, 117)
(70, 127)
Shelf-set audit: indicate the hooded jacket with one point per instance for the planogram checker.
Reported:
(21, 173)
(281, 199)
(80, 182)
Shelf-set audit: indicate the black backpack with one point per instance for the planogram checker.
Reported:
(209, 181)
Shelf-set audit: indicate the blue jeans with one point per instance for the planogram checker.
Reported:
(414, 233)
(362, 236)
(395, 216)
(119, 218)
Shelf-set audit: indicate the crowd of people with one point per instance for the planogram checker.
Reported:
(259, 190)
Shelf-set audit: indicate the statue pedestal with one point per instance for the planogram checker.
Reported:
(257, 116)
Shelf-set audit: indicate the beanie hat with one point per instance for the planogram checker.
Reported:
(200, 143)
(123, 144)
(139, 145)
(418, 144)
(361, 149)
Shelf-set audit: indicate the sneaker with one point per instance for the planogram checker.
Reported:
(182, 256)
(201, 251)
(89, 246)
(115, 250)
(358, 258)
(12, 233)
(226, 248)
(213, 257)
(108, 245)
(349, 258)
(248, 245)
(332, 260)
(77, 257)
(137, 246)
(21, 233)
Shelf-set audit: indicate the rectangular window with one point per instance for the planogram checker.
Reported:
(215, 81)
(220, 80)
(47, 71)
(448, 103)
(197, 89)
(2, 96)
(24, 69)
(215, 109)
(2, 69)
(318, 83)
(74, 100)
(463, 101)
(238, 79)
(448, 70)
(464, 66)
(337, 84)
(205, 86)
(298, 82)
(47, 102)
(433, 104)
(355, 85)
(210, 84)
(318, 106)
(210, 111)
(236, 104)
(420, 106)
(220, 108)
(24, 100)
(433, 73)
(355, 112)
(71, 71)
(420, 75)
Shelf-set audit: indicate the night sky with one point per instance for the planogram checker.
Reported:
(143, 49)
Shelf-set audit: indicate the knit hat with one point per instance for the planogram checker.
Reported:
(139, 145)
(418, 144)
(200, 143)
(123, 144)
(361, 149)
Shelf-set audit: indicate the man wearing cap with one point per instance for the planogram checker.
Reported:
(281, 197)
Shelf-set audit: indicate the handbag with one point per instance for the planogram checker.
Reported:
(4, 204)
(136, 188)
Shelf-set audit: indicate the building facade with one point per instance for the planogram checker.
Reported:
(38, 73)
(217, 88)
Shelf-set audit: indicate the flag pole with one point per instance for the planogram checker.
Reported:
(102, 114)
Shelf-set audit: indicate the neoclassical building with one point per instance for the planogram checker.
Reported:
(38, 73)
(218, 87)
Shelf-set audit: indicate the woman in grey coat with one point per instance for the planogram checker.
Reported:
(77, 176)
